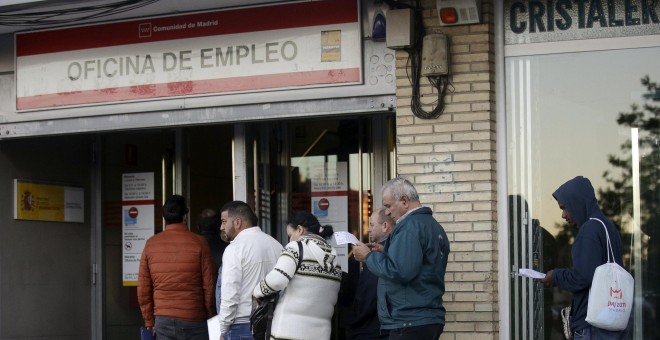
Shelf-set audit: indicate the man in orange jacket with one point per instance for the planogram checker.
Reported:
(176, 282)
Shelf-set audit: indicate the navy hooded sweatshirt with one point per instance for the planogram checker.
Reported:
(590, 248)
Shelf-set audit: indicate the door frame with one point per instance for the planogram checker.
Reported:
(96, 240)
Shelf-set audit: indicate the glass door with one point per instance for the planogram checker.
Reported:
(593, 114)
(333, 168)
(293, 165)
(331, 164)
(193, 161)
(143, 152)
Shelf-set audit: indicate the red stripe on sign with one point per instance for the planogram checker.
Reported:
(316, 13)
(183, 88)
(138, 202)
(329, 193)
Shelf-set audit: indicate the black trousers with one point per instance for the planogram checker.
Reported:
(423, 332)
(173, 329)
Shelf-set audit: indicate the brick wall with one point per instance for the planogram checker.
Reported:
(451, 161)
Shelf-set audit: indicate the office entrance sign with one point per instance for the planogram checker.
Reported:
(138, 221)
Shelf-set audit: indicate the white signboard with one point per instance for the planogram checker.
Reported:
(137, 221)
(330, 201)
(238, 50)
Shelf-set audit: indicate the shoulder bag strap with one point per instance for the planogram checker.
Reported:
(609, 245)
(300, 256)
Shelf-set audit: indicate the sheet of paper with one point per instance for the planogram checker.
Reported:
(530, 273)
(214, 328)
(343, 237)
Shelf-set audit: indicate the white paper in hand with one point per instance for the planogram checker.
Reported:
(343, 237)
(214, 328)
(530, 273)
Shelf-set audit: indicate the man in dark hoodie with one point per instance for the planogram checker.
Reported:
(578, 204)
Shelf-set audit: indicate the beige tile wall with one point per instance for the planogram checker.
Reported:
(451, 161)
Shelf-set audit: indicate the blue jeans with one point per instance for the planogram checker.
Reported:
(423, 332)
(173, 329)
(593, 333)
(239, 331)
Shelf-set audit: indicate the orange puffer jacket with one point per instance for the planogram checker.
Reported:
(177, 276)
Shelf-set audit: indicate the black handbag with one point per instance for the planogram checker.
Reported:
(262, 317)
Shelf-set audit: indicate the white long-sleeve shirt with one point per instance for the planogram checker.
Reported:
(245, 262)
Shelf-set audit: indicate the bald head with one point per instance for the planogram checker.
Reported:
(380, 225)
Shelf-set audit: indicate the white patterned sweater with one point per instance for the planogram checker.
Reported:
(307, 301)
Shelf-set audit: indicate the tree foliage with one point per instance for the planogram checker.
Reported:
(616, 199)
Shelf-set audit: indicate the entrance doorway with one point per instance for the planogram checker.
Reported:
(271, 165)
(195, 162)
(289, 158)
(333, 168)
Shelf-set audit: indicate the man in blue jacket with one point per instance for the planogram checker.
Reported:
(578, 204)
(410, 266)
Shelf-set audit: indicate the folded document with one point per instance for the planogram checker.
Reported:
(530, 273)
(343, 237)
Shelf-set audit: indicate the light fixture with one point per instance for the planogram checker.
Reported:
(458, 12)
(448, 15)
(378, 30)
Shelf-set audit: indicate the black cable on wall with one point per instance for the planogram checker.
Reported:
(440, 83)
(69, 15)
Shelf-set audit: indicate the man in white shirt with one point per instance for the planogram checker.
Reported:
(250, 255)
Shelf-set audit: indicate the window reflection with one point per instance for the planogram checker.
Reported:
(324, 148)
(567, 115)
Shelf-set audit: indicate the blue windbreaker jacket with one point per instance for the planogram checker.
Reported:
(411, 272)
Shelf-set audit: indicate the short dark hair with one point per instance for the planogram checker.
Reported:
(311, 224)
(174, 209)
(208, 219)
(242, 210)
